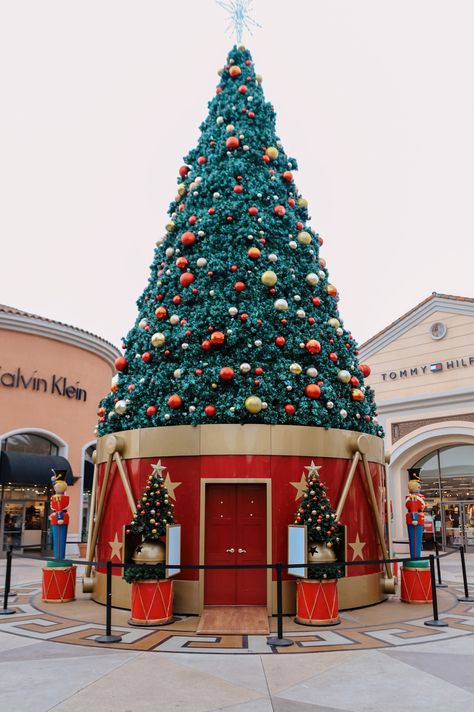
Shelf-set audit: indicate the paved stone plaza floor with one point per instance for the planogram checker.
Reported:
(377, 659)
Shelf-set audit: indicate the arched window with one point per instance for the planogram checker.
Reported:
(30, 443)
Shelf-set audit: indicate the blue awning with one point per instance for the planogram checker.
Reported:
(28, 469)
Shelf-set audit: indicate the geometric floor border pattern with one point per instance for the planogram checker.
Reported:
(32, 622)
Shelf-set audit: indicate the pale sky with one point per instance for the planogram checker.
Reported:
(100, 99)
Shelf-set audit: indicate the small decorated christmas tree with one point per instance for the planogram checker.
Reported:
(324, 532)
(154, 512)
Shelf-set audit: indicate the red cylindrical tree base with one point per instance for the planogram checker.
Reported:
(317, 602)
(415, 585)
(152, 602)
(59, 584)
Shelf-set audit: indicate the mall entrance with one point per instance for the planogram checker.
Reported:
(458, 529)
(24, 519)
(447, 481)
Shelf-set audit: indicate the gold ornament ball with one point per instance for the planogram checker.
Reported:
(170, 227)
(253, 404)
(329, 545)
(158, 339)
(121, 407)
(302, 203)
(357, 395)
(269, 278)
(344, 376)
(259, 78)
(335, 323)
(312, 279)
(304, 238)
(295, 369)
(181, 189)
(272, 152)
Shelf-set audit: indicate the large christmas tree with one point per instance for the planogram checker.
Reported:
(239, 321)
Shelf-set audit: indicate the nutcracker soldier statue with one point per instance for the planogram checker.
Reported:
(59, 575)
(416, 579)
(415, 504)
(59, 516)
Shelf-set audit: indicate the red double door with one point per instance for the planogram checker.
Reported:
(236, 533)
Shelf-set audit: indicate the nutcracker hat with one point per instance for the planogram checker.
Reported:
(414, 473)
(58, 475)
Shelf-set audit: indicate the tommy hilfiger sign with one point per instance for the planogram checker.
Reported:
(55, 385)
(436, 367)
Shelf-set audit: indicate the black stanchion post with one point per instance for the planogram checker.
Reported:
(466, 596)
(108, 637)
(436, 622)
(279, 641)
(5, 611)
(440, 584)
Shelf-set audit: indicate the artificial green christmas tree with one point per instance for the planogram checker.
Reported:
(323, 531)
(239, 322)
(154, 512)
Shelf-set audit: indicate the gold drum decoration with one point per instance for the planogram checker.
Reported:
(149, 552)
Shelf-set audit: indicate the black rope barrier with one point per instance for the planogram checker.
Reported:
(5, 611)
(466, 596)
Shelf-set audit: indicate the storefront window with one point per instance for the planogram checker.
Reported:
(30, 443)
(447, 477)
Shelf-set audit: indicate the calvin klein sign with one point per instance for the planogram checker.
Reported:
(55, 385)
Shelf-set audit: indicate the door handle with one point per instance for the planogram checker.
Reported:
(242, 551)
(230, 551)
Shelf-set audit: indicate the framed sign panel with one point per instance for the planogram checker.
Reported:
(173, 549)
(297, 548)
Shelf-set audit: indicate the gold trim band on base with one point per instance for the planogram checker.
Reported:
(230, 439)
(157, 621)
(58, 600)
(317, 622)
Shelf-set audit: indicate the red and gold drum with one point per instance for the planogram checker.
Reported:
(152, 602)
(59, 584)
(317, 602)
(235, 489)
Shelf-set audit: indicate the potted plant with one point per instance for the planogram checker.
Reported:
(152, 592)
(316, 596)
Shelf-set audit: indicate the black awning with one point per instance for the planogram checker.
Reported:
(28, 469)
(88, 476)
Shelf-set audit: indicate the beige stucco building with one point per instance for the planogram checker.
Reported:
(52, 377)
(423, 375)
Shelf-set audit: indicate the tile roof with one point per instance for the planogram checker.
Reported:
(18, 312)
(432, 296)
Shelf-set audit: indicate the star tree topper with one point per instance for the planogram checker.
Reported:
(239, 17)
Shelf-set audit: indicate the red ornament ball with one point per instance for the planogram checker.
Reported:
(121, 363)
(251, 115)
(176, 299)
(182, 262)
(161, 312)
(206, 345)
(239, 286)
(238, 189)
(147, 357)
(242, 89)
(186, 279)
(354, 381)
(312, 391)
(210, 410)
(232, 143)
(175, 401)
(253, 210)
(366, 370)
(183, 171)
(151, 410)
(202, 160)
(188, 238)
(235, 71)
(279, 210)
(290, 409)
(313, 346)
(333, 357)
(226, 373)
(316, 301)
(280, 341)
(253, 253)
(217, 338)
(287, 176)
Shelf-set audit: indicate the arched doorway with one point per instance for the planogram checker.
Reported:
(25, 477)
(447, 476)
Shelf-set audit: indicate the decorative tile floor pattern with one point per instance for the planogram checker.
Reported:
(389, 625)
(38, 673)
